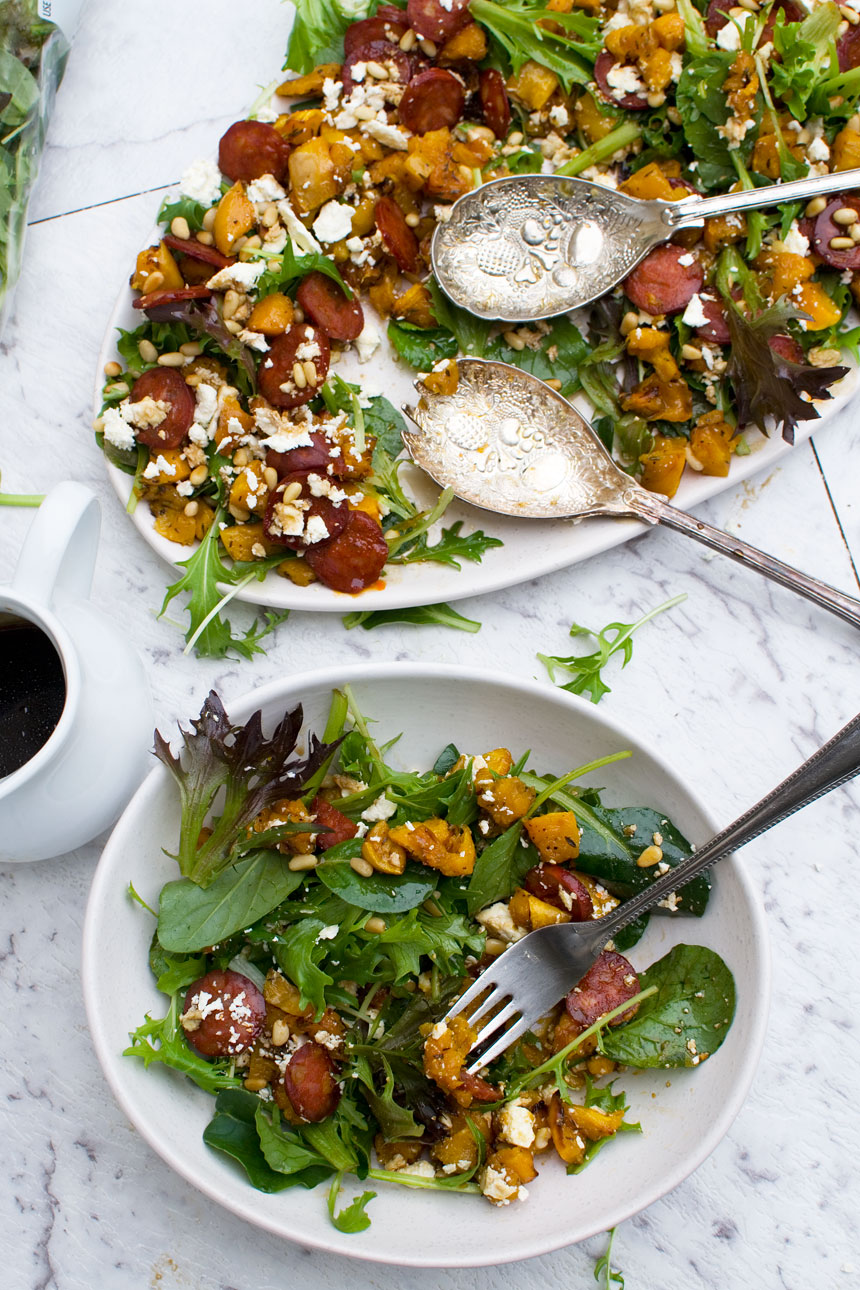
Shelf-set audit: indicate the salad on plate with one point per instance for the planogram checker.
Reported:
(327, 912)
(307, 246)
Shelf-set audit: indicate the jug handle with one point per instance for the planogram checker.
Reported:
(59, 553)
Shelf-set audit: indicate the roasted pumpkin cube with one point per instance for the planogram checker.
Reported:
(533, 85)
(382, 852)
(669, 30)
(651, 183)
(567, 1138)
(298, 571)
(272, 315)
(301, 87)
(394, 1155)
(814, 300)
(299, 127)
(249, 489)
(171, 466)
(657, 400)
(459, 1147)
(157, 259)
(593, 121)
(652, 345)
(415, 306)
(313, 176)
(504, 800)
(516, 1162)
(468, 45)
(723, 230)
(663, 465)
(234, 217)
(246, 541)
(785, 269)
(556, 836)
(282, 994)
(444, 378)
(593, 1123)
(631, 42)
(438, 845)
(170, 521)
(712, 443)
(845, 153)
(286, 811)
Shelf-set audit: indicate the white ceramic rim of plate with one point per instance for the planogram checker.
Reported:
(558, 543)
(332, 677)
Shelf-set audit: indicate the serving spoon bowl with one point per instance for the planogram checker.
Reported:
(506, 442)
(534, 246)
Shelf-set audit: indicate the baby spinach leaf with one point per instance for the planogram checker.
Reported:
(299, 954)
(559, 356)
(499, 868)
(686, 1020)
(381, 893)
(232, 1130)
(383, 420)
(701, 101)
(285, 1152)
(185, 208)
(631, 934)
(446, 760)
(352, 1218)
(191, 917)
(422, 347)
(174, 972)
(471, 333)
(395, 1121)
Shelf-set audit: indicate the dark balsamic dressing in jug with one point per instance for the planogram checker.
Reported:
(32, 692)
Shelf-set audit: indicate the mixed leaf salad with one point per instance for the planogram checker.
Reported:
(328, 910)
(315, 226)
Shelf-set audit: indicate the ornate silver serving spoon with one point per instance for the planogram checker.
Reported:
(533, 246)
(506, 442)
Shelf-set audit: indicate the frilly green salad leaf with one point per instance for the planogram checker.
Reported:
(318, 29)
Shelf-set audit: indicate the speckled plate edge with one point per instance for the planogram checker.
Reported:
(754, 994)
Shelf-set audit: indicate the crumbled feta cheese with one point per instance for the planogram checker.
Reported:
(495, 1186)
(421, 1169)
(623, 79)
(253, 339)
(729, 37)
(159, 466)
(559, 115)
(818, 150)
(265, 189)
(496, 919)
(239, 276)
(334, 222)
(316, 530)
(381, 809)
(328, 933)
(517, 1125)
(206, 403)
(368, 341)
(117, 430)
(694, 315)
(795, 242)
(201, 182)
(302, 237)
(390, 136)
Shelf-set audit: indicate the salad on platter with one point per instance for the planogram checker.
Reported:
(329, 908)
(312, 234)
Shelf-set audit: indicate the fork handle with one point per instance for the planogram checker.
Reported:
(649, 506)
(834, 764)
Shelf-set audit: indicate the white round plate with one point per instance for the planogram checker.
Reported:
(531, 547)
(432, 706)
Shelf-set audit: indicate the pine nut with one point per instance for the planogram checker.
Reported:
(280, 1033)
(113, 369)
(751, 5)
(241, 457)
(205, 238)
(232, 326)
(147, 351)
(690, 352)
(299, 863)
(657, 99)
(823, 357)
(270, 477)
(481, 132)
(850, 15)
(174, 359)
(179, 227)
(298, 314)
(299, 375)
(361, 866)
(191, 349)
(375, 924)
(515, 341)
(239, 244)
(816, 206)
(427, 47)
(854, 232)
(413, 220)
(649, 857)
(191, 509)
(269, 216)
(273, 265)
(376, 70)
(253, 243)
(231, 303)
(407, 40)
(99, 423)
(254, 1083)
(494, 946)
(118, 387)
(239, 513)
(198, 476)
(209, 219)
(364, 113)
(629, 323)
(291, 492)
(153, 283)
(841, 243)
(845, 215)
(310, 371)
(515, 139)
(554, 384)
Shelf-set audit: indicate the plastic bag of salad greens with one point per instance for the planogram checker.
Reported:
(35, 36)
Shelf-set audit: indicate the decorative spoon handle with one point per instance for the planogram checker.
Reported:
(650, 507)
(691, 209)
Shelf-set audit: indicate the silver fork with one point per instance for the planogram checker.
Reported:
(534, 973)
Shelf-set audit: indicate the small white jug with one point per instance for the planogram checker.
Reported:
(78, 781)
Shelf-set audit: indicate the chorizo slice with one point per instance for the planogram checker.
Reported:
(398, 238)
(279, 380)
(602, 67)
(250, 149)
(495, 105)
(665, 282)
(606, 985)
(197, 251)
(156, 298)
(787, 347)
(339, 825)
(310, 1082)
(353, 560)
(433, 100)
(307, 517)
(792, 13)
(401, 67)
(560, 888)
(435, 20)
(848, 49)
(325, 303)
(826, 230)
(313, 456)
(165, 385)
(716, 329)
(716, 16)
(223, 1015)
(367, 30)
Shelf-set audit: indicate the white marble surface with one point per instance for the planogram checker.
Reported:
(737, 685)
